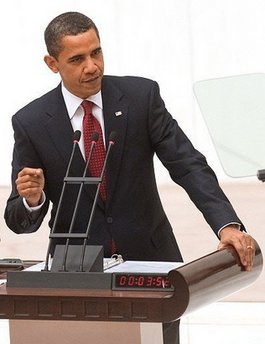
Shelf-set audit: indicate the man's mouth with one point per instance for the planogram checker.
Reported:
(91, 79)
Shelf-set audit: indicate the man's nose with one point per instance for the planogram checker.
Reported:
(90, 66)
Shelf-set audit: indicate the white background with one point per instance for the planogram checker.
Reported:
(176, 42)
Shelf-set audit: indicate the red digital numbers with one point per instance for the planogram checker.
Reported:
(158, 281)
(142, 281)
(149, 282)
(131, 281)
(122, 280)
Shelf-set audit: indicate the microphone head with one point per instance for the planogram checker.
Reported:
(95, 136)
(112, 136)
(261, 175)
(77, 135)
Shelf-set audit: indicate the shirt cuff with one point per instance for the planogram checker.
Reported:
(38, 207)
(237, 226)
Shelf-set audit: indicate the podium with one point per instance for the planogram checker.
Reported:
(196, 284)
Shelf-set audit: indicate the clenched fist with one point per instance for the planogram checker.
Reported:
(30, 184)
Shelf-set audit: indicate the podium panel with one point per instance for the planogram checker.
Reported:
(196, 284)
(83, 332)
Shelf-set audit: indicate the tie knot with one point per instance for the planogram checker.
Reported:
(87, 106)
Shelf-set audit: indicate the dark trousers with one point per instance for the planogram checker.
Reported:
(171, 332)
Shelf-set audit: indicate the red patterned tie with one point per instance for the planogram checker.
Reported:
(91, 125)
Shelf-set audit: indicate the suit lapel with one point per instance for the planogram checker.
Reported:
(115, 111)
(61, 133)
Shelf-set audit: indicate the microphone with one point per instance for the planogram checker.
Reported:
(261, 175)
(76, 138)
(95, 136)
(112, 137)
(94, 140)
(111, 143)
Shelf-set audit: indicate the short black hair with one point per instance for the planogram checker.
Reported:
(66, 24)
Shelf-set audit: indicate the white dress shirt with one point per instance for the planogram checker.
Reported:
(76, 112)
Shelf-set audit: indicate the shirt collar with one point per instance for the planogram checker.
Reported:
(72, 102)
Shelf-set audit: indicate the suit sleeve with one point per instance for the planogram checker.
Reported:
(17, 217)
(187, 166)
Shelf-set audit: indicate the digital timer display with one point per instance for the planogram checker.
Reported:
(125, 281)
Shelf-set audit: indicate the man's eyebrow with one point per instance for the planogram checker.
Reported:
(97, 49)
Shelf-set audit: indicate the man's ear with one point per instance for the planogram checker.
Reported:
(52, 63)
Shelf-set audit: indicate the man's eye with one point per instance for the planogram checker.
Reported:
(75, 59)
(97, 52)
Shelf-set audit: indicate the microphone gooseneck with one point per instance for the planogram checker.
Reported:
(111, 142)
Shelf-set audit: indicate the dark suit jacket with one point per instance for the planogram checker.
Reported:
(133, 214)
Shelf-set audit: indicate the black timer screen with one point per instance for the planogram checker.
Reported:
(142, 281)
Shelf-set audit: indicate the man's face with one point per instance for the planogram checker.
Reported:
(80, 64)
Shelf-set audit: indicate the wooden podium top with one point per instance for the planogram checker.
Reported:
(196, 284)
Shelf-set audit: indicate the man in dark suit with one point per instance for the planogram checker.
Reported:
(132, 217)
